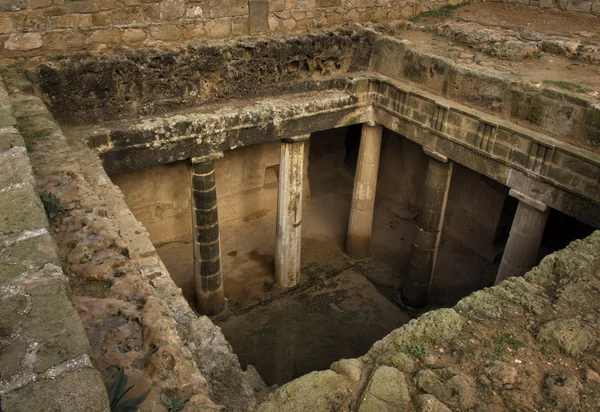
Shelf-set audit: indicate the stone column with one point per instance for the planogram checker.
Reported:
(289, 211)
(363, 195)
(208, 278)
(525, 238)
(423, 253)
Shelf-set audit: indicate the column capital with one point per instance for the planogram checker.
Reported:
(437, 156)
(294, 139)
(536, 204)
(207, 158)
(371, 123)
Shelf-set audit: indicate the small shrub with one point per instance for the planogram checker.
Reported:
(118, 390)
(504, 343)
(172, 403)
(418, 351)
(52, 205)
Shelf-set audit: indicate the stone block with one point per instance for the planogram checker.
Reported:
(12, 5)
(151, 12)
(107, 4)
(9, 138)
(134, 35)
(55, 42)
(6, 118)
(579, 5)
(78, 391)
(101, 19)
(477, 89)
(230, 8)
(172, 9)
(130, 15)
(194, 31)
(258, 14)
(71, 21)
(21, 210)
(28, 254)
(15, 170)
(23, 41)
(30, 20)
(596, 7)
(6, 24)
(218, 28)
(83, 6)
(39, 4)
(278, 5)
(546, 4)
(48, 292)
(165, 33)
(108, 36)
(240, 27)
(592, 125)
(387, 391)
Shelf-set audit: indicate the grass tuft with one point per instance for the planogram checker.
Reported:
(567, 85)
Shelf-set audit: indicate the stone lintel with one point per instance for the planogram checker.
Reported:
(207, 158)
(437, 156)
(294, 139)
(536, 204)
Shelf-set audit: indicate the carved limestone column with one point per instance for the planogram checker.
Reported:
(423, 253)
(525, 237)
(210, 299)
(289, 211)
(363, 196)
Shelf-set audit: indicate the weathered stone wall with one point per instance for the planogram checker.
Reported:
(53, 28)
(581, 6)
(44, 351)
(88, 89)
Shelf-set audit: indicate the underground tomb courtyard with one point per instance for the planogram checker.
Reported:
(312, 193)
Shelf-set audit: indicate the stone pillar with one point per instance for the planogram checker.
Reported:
(208, 278)
(289, 211)
(525, 238)
(363, 195)
(423, 253)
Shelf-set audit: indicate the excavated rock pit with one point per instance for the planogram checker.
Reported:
(126, 244)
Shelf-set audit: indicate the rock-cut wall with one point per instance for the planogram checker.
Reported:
(530, 343)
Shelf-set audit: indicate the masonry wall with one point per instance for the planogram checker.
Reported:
(53, 28)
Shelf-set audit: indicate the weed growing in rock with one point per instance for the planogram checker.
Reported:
(418, 351)
(504, 343)
(172, 403)
(118, 390)
(52, 205)
(567, 85)
(29, 136)
(445, 11)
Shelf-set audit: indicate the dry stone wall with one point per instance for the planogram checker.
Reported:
(53, 28)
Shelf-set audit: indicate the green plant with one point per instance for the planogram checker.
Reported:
(504, 343)
(418, 351)
(118, 390)
(171, 402)
(52, 205)
(567, 85)
(58, 57)
(445, 11)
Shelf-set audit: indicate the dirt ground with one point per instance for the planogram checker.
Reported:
(525, 23)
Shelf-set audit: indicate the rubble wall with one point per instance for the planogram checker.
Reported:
(52, 28)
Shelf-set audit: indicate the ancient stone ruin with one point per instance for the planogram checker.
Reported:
(299, 205)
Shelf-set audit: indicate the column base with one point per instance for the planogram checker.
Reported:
(210, 303)
(412, 311)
